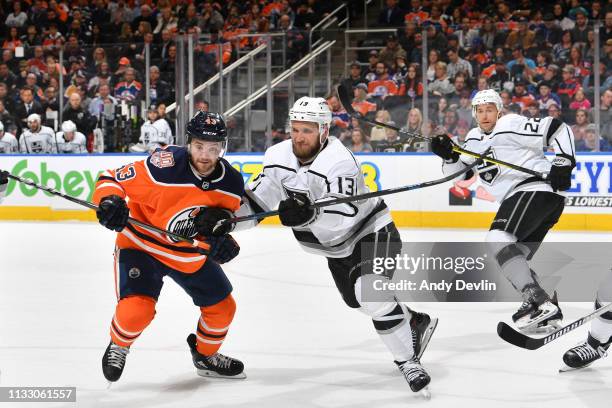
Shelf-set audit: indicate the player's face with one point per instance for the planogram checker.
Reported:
(34, 126)
(204, 155)
(305, 139)
(486, 115)
(69, 136)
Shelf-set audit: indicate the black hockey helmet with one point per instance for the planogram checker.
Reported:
(208, 126)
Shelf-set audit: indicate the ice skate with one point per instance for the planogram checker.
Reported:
(423, 327)
(539, 313)
(415, 375)
(113, 361)
(216, 365)
(584, 354)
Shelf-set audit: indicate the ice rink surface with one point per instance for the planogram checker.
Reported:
(301, 345)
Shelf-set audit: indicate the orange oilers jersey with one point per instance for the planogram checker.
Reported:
(165, 191)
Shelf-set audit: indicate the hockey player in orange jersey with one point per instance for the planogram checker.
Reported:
(172, 189)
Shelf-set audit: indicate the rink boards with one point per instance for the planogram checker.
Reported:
(589, 202)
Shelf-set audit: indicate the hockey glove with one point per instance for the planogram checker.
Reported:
(207, 219)
(222, 248)
(442, 146)
(560, 176)
(113, 213)
(3, 177)
(294, 212)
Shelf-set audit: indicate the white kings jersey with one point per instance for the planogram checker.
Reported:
(39, 142)
(156, 134)
(333, 173)
(518, 140)
(77, 145)
(8, 143)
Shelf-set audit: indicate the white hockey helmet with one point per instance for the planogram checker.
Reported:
(34, 117)
(1, 128)
(486, 96)
(309, 109)
(68, 126)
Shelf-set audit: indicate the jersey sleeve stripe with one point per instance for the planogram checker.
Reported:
(152, 250)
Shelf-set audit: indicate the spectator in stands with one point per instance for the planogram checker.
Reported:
(554, 111)
(521, 97)
(51, 102)
(81, 117)
(354, 77)
(16, 18)
(391, 15)
(414, 120)
(533, 110)
(360, 103)
(202, 105)
(12, 41)
(546, 98)
(5, 98)
(7, 119)
(461, 131)
(26, 107)
(382, 86)
(435, 39)
(605, 113)
(442, 107)
(103, 76)
(457, 64)
(406, 36)
(414, 84)
(441, 86)
(358, 142)
(340, 119)
(31, 38)
(159, 90)
(146, 15)
(129, 89)
(7, 77)
(378, 133)
(167, 21)
(450, 120)
(464, 111)
(166, 41)
(582, 121)
(592, 142)
(211, 18)
(168, 65)
(569, 85)
(580, 101)
(562, 49)
(575, 60)
(522, 36)
(391, 51)
(432, 59)
(460, 88)
(520, 66)
(549, 33)
(369, 73)
(580, 30)
(103, 104)
(296, 40)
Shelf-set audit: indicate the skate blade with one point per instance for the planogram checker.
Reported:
(433, 323)
(212, 374)
(566, 369)
(525, 325)
(550, 327)
(425, 393)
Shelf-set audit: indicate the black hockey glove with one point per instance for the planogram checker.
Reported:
(3, 177)
(442, 146)
(294, 212)
(223, 248)
(113, 213)
(560, 176)
(207, 219)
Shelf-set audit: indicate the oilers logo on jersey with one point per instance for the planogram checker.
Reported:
(183, 224)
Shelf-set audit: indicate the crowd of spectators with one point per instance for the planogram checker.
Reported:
(538, 55)
(103, 44)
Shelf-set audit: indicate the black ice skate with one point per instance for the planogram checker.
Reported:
(217, 365)
(415, 374)
(585, 354)
(113, 361)
(422, 329)
(538, 313)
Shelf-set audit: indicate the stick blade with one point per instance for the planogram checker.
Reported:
(510, 335)
(344, 94)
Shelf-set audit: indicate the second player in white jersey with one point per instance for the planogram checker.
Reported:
(154, 133)
(69, 139)
(313, 167)
(36, 139)
(8, 142)
(530, 205)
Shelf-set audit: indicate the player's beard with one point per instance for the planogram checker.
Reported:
(304, 152)
(205, 166)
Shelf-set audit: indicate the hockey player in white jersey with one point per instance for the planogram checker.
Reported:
(313, 167)
(154, 133)
(69, 139)
(36, 139)
(529, 206)
(8, 141)
(3, 184)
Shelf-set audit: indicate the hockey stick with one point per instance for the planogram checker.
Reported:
(361, 197)
(507, 333)
(345, 100)
(194, 242)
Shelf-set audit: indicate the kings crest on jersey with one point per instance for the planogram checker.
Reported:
(333, 173)
(165, 190)
(520, 140)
